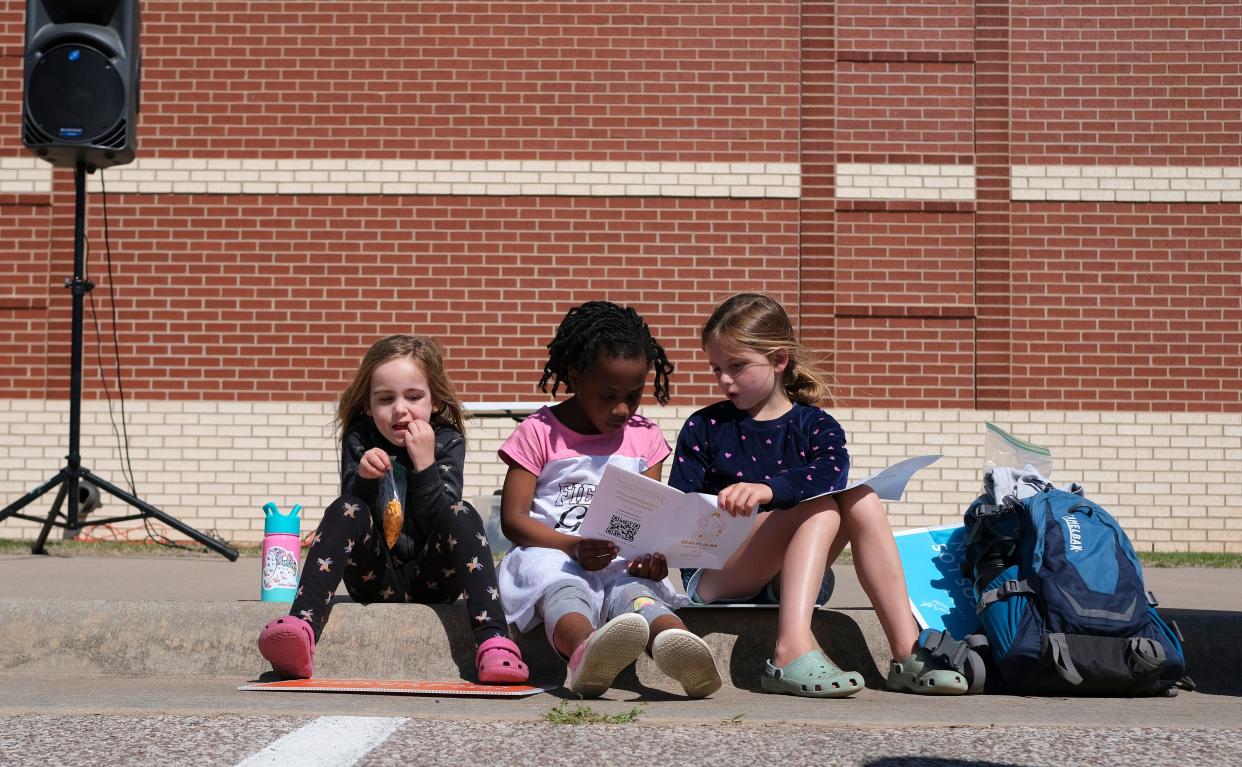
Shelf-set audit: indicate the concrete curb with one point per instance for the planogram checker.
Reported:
(217, 639)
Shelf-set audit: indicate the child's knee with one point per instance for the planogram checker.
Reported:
(563, 599)
(637, 598)
(865, 508)
(820, 510)
(347, 506)
(346, 512)
(462, 517)
(822, 517)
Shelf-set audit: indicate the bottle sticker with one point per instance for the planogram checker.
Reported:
(280, 569)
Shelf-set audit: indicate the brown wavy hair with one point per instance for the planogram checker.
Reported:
(426, 353)
(758, 322)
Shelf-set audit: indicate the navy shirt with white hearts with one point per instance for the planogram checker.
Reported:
(799, 455)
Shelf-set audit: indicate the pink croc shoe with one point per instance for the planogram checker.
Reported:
(499, 661)
(288, 643)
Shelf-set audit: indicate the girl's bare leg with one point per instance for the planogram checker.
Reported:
(864, 523)
(571, 631)
(794, 542)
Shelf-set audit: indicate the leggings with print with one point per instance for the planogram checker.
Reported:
(454, 559)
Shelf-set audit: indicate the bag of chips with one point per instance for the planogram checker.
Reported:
(394, 515)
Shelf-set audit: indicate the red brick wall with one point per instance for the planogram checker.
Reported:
(905, 262)
(892, 30)
(817, 213)
(902, 276)
(1127, 83)
(992, 211)
(24, 275)
(1124, 307)
(904, 112)
(709, 81)
(268, 297)
(905, 362)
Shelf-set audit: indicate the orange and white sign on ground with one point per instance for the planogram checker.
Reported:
(397, 687)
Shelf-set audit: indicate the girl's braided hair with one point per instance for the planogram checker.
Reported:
(602, 327)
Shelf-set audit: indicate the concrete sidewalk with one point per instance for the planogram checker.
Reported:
(199, 617)
(212, 578)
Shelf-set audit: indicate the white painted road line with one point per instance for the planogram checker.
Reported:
(329, 740)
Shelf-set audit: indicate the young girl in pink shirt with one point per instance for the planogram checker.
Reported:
(599, 611)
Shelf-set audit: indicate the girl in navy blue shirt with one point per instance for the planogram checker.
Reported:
(770, 448)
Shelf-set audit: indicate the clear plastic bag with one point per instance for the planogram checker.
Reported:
(1001, 448)
(392, 513)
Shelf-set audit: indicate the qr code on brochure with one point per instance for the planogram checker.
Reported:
(622, 528)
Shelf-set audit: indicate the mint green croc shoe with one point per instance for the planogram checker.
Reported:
(811, 676)
(918, 675)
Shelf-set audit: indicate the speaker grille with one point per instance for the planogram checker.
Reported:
(75, 96)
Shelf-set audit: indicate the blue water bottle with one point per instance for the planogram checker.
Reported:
(281, 549)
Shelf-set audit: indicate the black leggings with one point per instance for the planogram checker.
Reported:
(455, 558)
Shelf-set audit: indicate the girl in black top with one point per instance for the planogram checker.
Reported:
(400, 531)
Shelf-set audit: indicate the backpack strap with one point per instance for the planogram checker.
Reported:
(1061, 660)
(942, 648)
(1004, 591)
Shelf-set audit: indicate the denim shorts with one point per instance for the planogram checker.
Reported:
(770, 593)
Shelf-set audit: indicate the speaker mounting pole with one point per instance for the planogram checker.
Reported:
(73, 473)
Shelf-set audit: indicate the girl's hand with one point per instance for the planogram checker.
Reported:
(742, 498)
(652, 566)
(593, 553)
(420, 443)
(374, 464)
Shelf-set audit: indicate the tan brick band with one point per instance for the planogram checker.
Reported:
(1167, 476)
(453, 177)
(1126, 183)
(855, 181)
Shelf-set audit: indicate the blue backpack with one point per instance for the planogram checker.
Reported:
(1061, 598)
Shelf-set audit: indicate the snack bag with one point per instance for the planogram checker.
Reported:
(394, 516)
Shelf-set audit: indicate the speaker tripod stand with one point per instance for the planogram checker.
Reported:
(73, 473)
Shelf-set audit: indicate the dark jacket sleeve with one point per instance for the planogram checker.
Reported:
(434, 489)
(354, 444)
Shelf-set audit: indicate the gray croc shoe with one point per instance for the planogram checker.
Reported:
(812, 676)
(918, 675)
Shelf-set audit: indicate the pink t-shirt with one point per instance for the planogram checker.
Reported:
(568, 465)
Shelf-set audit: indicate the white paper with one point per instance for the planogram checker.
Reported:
(643, 516)
(890, 482)
(704, 535)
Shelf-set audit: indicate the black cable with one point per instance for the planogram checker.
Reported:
(103, 380)
(127, 468)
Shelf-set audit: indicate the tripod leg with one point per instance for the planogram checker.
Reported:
(51, 520)
(34, 495)
(150, 511)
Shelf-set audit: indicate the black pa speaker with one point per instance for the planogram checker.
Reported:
(80, 81)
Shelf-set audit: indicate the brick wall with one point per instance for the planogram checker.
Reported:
(1168, 477)
(1145, 297)
(274, 297)
(555, 80)
(990, 207)
(1126, 83)
(894, 30)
